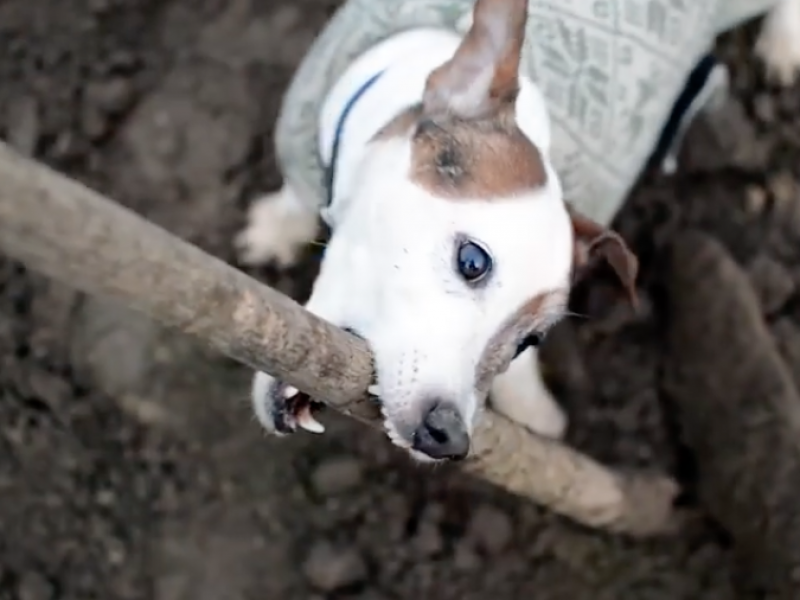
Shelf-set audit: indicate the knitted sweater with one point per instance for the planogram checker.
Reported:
(611, 71)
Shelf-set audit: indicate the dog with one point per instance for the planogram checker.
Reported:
(444, 157)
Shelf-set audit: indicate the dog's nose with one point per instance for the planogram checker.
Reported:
(442, 434)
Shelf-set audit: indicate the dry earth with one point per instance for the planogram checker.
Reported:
(129, 464)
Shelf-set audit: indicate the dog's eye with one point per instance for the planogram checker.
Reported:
(532, 341)
(473, 262)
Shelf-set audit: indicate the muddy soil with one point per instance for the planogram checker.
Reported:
(130, 466)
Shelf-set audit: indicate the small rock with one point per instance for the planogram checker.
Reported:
(490, 529)
(99, 7)
(51, 389)
(105, 497)
(756, 199)
(34, 586)
(23, 125)
(111, 96)
(428, 541)
(329, 568)
(764, 105)
(372, 595)
(787, 338)
(115, 551)
(68, 146)
(465, 558)
(433, 513)
(337, 475)
(94, 123)
(772, 282)
(783, 187)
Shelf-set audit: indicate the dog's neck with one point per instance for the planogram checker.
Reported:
(381, 83)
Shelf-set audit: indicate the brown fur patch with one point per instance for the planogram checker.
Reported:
(468, 158)
(501, 347)
(594, 243)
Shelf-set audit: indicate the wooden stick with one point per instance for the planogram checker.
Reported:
(74, 235)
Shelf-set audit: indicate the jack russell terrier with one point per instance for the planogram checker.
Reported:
(468, 157)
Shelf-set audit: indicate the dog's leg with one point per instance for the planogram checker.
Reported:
(279, 225)
(521, 394)
(778, 43)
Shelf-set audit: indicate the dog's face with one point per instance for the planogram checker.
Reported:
(458, 249)
(444, 290)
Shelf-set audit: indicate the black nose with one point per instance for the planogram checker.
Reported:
(442, 434)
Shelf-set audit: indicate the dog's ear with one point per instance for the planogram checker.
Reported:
(594, 243)
(482, 77)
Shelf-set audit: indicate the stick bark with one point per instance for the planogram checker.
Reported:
(72, 234)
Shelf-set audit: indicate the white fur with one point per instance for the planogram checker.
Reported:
(388, 272)
(279, 227)
(778, 44)
(522, 396)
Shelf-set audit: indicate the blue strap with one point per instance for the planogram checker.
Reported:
(330, 170)
(695, 84)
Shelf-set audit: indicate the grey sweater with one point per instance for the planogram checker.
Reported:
(610, 70)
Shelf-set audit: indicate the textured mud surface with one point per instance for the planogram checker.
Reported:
(129, 464)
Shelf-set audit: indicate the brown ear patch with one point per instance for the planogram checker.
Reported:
(594, 243)
(469, 158)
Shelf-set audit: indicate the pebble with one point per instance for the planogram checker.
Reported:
(23, 125)
(765, 109)
(94, 123)
(756, 199)
(428, 541)
(490, 529)
(465, 559)
(34, 586)
(329, 568)
(337, 475)
(787, 337)
(111, 96)
(783, 187)
(772, 282)
(99, 7)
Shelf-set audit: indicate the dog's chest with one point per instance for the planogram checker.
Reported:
(610, 71)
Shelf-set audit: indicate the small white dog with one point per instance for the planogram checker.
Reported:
(453, 249)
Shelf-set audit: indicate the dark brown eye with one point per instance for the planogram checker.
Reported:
(531, 341)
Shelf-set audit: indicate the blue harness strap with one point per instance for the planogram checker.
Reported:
(330, 169)
(684, 108)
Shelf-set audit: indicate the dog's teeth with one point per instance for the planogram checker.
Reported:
(290, 392)
(308, 422)
(374, 390)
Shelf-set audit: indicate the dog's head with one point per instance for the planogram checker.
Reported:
(459, 249)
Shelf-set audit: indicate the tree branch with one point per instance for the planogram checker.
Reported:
(74, 235)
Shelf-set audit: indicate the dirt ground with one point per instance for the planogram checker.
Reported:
(130, 466)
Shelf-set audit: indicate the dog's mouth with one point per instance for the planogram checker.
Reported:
(298, 410)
